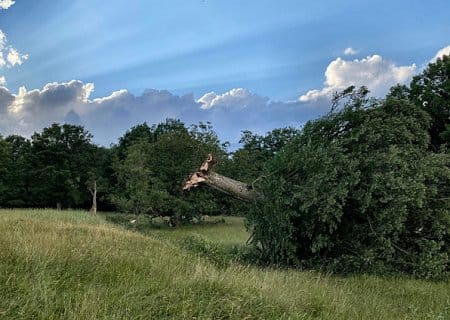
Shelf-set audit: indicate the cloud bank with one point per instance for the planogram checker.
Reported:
(108, 117)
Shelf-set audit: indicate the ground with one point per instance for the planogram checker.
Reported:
(71, 265)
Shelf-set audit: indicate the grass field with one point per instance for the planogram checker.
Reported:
(70, 265)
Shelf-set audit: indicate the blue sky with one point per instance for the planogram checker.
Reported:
(256, 65)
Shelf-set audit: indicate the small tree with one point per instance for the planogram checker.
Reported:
(139, 191)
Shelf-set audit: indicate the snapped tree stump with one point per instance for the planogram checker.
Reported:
(234, 188)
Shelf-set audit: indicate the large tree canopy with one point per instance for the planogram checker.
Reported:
(156, 161)
(358, 191)
(431, 91)
(60, 157)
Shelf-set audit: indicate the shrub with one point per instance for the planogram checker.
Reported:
(357, 191)
(207, 248)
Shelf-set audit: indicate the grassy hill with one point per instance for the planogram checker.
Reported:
(70, 265)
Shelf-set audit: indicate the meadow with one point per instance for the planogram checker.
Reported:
(72, 265)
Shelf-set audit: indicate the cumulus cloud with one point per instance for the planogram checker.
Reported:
(31, 110)
(350, 51)
(374, 72)
(440, 53)
(15, 58)
(235, 97)
(9, 56)
(5, 4)
(27, 111)
(110, 116)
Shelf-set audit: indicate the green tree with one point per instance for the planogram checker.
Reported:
(4, 164)
(140, 192)
(358, 191)
(60, 157)
(18, 173)
(248, 162)
(100, 177)
(149, 178)
(431, 91)
(132, 136)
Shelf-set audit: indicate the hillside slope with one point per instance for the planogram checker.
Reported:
(70, 265)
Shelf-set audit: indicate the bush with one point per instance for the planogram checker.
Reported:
(357, 191)
(207, 248)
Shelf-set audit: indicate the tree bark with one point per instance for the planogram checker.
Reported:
(94, 197)
(234, 188)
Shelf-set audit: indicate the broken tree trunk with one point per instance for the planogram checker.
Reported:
(234, 188)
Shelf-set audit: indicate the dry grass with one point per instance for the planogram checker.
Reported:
(70, 265)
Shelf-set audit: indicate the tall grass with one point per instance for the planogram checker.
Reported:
(70, 265)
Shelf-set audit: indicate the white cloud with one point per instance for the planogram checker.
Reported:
(235, 97)
(116, 95)
(2, 46)
(374, 72)
(15, 58)
(442, 52)
(2, 40)
(110, 116)
(2, 81)
(5, 4)
(9, 56)
(31, 110)
(28, 111)
(350, 51)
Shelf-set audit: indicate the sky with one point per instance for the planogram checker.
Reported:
(242, 65)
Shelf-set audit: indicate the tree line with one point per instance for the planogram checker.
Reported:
(61, 167)
(365, 187)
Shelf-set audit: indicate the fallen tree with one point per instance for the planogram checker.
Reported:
(355, 191)
(206, 176)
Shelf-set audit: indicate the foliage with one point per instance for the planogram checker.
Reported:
(55, 167)
(19, 170)
(247, 163)
(4, 164)
(211, 250)
(100, 172)
(140, 192)
(431, 91)
(358, 191)
(59, 158)
(135, 134)
(156, 161)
